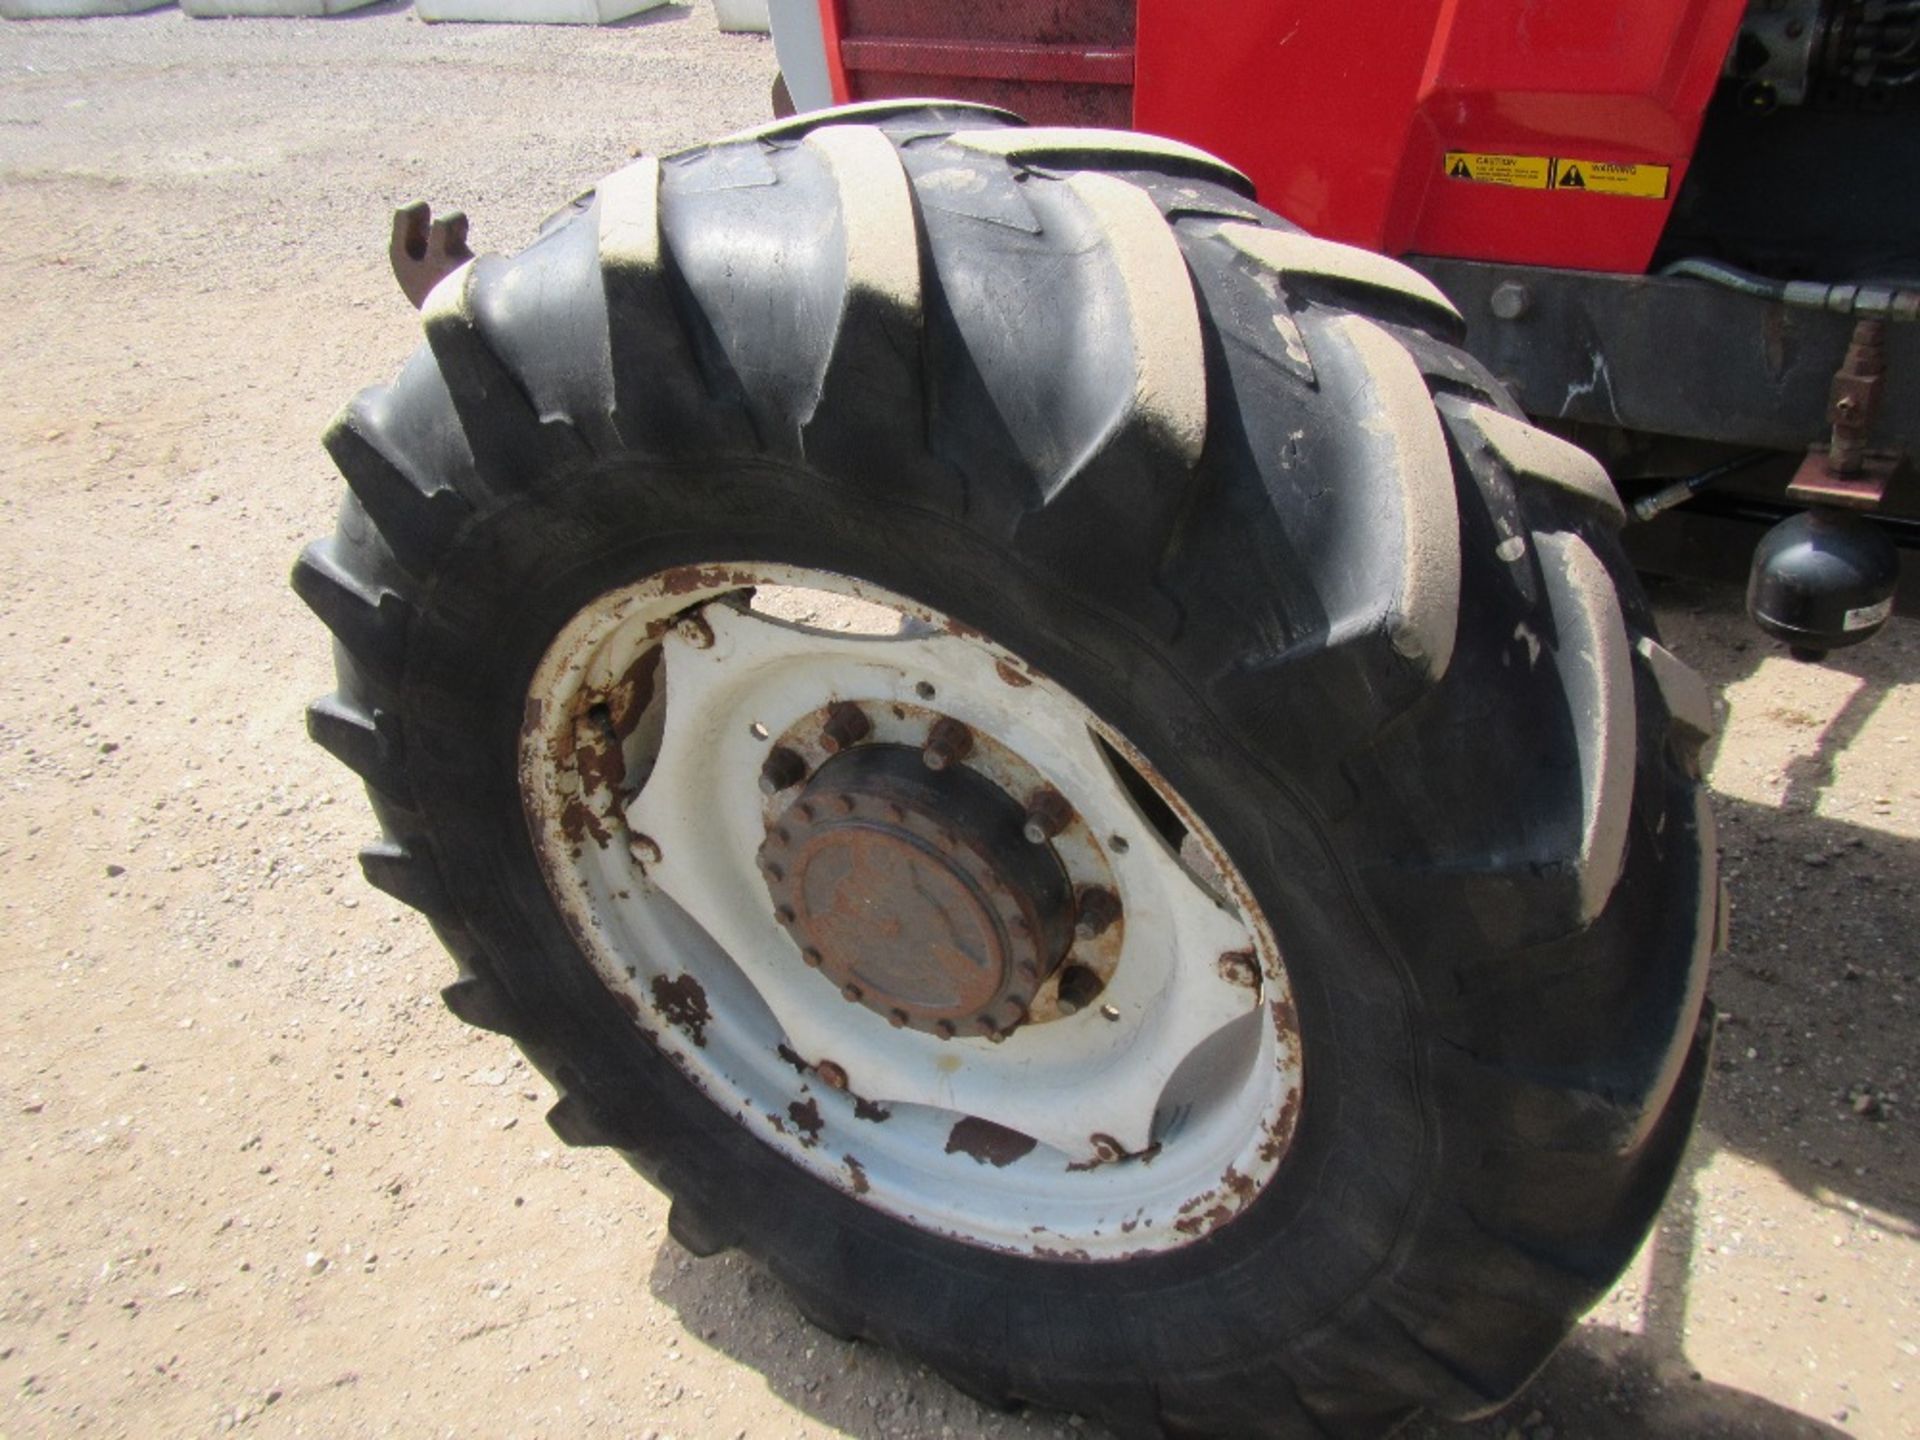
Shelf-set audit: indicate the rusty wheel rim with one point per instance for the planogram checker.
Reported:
(898, 903)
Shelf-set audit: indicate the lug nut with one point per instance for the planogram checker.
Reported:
(897, 1018)
(1047, 815)
(944, 1029)
(1099, 908)
(831, 1075)
(782, 770)
(812, 957)
(948, 743)
(846, 726)
(851, 992)
(695, 631)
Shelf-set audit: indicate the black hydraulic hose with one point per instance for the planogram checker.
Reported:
(1891, 300)
(1681, 491)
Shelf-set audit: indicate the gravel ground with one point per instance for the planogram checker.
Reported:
(257, 1178)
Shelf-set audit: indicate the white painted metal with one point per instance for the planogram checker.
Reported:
(226, 9)
(73, 9)
(742, 16)
(1181, 1053)
(533, 12)
(801, 49)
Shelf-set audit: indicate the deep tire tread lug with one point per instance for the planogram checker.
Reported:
(578, 1123)
(368, 618)
(417, 523)
(700, 1232)
(479, 1001)
(407, 873)
(366, 742)
(508, 438)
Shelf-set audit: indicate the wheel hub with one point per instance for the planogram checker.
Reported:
(915, 891)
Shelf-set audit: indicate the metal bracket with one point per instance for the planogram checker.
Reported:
(424, 251)
(1841, 472)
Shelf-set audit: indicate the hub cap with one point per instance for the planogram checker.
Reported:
(915, 892)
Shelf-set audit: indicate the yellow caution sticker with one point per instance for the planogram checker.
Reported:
(1547, 172)
(1610, 177)
(1524, 172)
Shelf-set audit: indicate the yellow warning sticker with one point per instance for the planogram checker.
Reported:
(1546, 172)
(1525, 172)
(1608, 177)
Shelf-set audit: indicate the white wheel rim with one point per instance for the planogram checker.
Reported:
(1135, 1125)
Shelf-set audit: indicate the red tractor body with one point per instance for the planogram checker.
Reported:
(1540, 134)
(1680, 232)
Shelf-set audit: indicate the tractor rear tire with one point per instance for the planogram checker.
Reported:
(1236, 491)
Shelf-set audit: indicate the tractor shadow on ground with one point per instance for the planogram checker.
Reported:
(1819, 985)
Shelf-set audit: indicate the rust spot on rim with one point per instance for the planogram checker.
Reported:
(865, 1109)
(1280, 1129)
(633, 692)
(988, 1143)
(685, 579)
(857, 1173)
(578, 822)
(683, 1003)
(807, 1123)
(1012, 676)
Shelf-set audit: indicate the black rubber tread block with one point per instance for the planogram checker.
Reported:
(406, 871)
(1451, 371)
(1531, 456)
(1360, 575)
(824, 1312)
(986, 1395)
(698, 1231)
(417, 517)
(509, 443)
(1020, 407)
(367, 618)
(1523, 874)
(1694, 711)
(764, 277)
(1583, 1216)
(1346, 276)
(1065, 149)
(1577, 1045)
(579, 1123)
(671, 395)
(896, 117)
(544, 315)
(869, 415)
(365, 740)
(1113, 448)
(478, 1000)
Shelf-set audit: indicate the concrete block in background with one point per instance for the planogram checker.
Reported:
(533, 12)
(223, 9)
(743, 15)
(73, 9)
